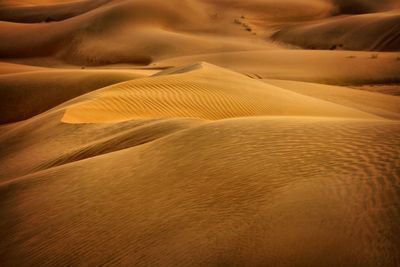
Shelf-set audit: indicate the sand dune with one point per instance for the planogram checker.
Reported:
(276, 181)
(47, 13)
(378, 31)
(11, 3)
(23, 95)
(273, 11)
(199, 91)
(329, 67)
(379, 104)
(199, 133)
(8, 68)
(146, 32)
(389, 89)
(364, 6)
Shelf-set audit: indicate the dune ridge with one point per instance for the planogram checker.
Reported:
(205, 91)
(47, 13)
(375, 32)
(195, 91)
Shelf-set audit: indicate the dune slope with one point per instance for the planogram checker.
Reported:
(377, 31)
(136, 32)
(246, 197)
(386, 106)
(47, 12)
(200, 91)
(327, 67)
(23, 95)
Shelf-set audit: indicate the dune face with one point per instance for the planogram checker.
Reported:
(39, 91)
(348, 33)
(250, 205)
(199, 133)
(364, 6)
(47, 13)
(204, 92)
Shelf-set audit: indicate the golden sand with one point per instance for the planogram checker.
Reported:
(199, 133)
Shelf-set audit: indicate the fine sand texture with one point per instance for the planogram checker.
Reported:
(200, 133)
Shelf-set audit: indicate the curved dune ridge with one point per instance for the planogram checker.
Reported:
(377, 31)
(246, 197)
(47, 12)
(200, 91)
(364, 6)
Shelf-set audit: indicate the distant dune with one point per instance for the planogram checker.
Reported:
(331, 67)
(377, 31)
(48, 12)
(364, 6)
(146, 32)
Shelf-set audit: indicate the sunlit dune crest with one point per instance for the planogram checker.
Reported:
(207, 92)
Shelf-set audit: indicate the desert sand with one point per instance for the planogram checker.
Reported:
(199, 133)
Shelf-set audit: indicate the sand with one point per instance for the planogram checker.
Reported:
(347, 33)
(26, 94)
(200, 91)
(199, 133)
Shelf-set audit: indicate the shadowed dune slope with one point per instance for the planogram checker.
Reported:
(364, 6)
(389, 89)
(54, 143)
(23, 95)
(246, 197)
(200, 91)
(378, 31)
(47, 12)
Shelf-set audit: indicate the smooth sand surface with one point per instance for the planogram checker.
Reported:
(26, 94)
(321, 66)
(199, 133)
(380, 104)
(347, 33)
(42, 11)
